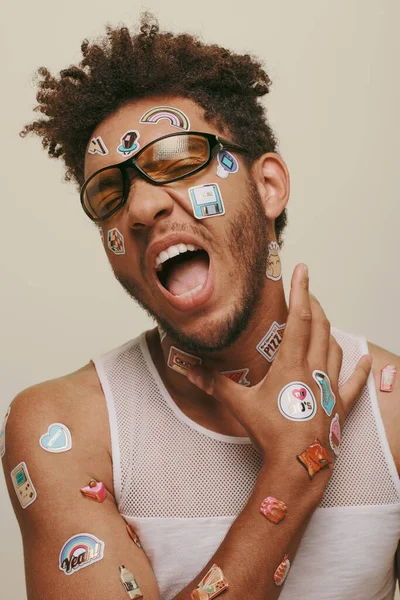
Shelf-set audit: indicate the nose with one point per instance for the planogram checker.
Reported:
(147, 204)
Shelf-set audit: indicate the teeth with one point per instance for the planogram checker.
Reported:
(191, 292)
(172, 251)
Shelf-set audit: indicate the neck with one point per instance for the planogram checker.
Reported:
(242, 354)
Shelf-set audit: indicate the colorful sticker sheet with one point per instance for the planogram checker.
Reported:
(296, 402)
(176, 117)
(80, 551)
(206, 201)
(23, 485)
(56, 439)
(3, 433)
(314, 458)
(269, 345)
(274, 267)
(212, 584)
(328, 398)
(181, 361)
(273, 509)
(129, 583)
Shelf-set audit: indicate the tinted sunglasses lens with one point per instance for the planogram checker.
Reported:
(103, 193)
(174, 156)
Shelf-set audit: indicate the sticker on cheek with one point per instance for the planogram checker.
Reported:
(206, 201)
(227, 164)
(133, 535)
(282, 571)
(296, 402)
(95, 491)
(181, 361)
(129, 143)
(57, 439)
(97, 146)
(328, 398)
(3, 433)
(314, 458)
(23, 485)
(175, 116)
(115, 241)
(129, 583)
(271, 341)
(335, 434)
(79, 552)
(238, 376)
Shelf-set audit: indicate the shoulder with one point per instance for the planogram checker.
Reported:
(389, 402)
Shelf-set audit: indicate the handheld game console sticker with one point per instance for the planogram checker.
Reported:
(23, 485)
(57, 439)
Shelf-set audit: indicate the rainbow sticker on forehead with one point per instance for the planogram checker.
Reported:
(80, 551)
(175, 116)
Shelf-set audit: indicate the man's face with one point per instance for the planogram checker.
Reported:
(202, 298)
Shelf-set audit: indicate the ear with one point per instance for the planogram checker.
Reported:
(273, 183)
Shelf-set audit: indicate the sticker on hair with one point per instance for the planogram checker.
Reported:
(129, 143)
(273, 509)
(212, 584)
(238, 376)
(181, 361)
(3, 433)
(80, 551)
(97, 146)
(115, 241)
(314, 458)
(296, 402)
(23, 485)
(95, 490)
(133, 535)
(328, 398)
(129, 583)
(56, 439)
(175, 116)
(227, 164)
(282, 571)
(274, 267)
(206, 201)
(335, 434)
(388, 377)
(269, 345)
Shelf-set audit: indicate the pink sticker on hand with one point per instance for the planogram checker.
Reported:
(300, 394)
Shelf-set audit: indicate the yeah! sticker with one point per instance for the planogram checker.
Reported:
(297, 402)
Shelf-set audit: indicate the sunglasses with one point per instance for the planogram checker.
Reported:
(169, 158)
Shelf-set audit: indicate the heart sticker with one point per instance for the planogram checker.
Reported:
(300, 394)
(57, 439)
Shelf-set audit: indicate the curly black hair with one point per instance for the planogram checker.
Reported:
(120, 67)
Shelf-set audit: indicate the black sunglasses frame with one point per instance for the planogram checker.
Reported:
(215, 142)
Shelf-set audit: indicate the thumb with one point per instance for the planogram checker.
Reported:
(219, 386)
(353, 387)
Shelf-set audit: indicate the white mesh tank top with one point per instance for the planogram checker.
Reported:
(181, 486)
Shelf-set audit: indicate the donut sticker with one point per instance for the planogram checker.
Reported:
(296, 402)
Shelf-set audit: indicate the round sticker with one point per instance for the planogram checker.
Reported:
(297, 402)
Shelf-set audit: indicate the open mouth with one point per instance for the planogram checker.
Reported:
(183, 269)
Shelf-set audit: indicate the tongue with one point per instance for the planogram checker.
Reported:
(187, 275)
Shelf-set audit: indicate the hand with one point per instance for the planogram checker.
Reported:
(307, 346)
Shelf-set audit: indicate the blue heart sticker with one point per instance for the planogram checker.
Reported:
(57, 439)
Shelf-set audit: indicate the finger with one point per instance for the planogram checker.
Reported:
(319, 338)
(335, 358)
(298, 328)
(351, 390)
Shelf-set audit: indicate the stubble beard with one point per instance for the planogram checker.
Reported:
(247, 241)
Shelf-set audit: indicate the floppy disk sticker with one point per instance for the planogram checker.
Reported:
(181, 361)
(206, 201)
(23, 485)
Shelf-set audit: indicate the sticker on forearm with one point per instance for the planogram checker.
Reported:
(314, 458)
(335, 434)
(80, 551)
(181, 361)
(274, 268)
(328, 399)
(57, 439)
(129, 143)
(133, 535)
(23, 485)
(238, 376)
(97, 146)
(212, 584)
(271, 341)
(115, 241)
(227, 164)
(282, 571)
(129, 583)
(273, 509)
(3, 433)
(175, 116)
(206, 201)
(95, 490)
(296, 402)
(388, 376)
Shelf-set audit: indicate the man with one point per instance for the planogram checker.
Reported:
(213, 436)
